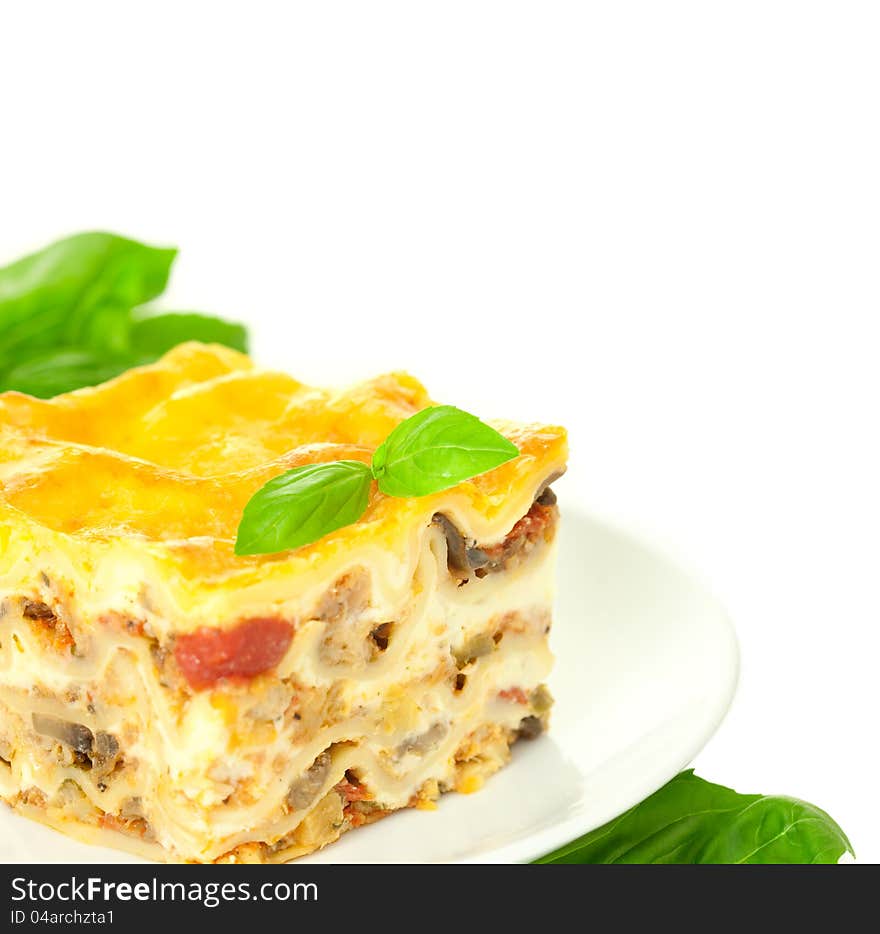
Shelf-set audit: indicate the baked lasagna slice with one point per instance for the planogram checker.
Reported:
(160, 694)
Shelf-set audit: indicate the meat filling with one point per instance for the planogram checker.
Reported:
(46, 625)
(465, 557)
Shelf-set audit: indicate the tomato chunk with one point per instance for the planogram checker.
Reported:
(244, 651)
(536, 524)
(353, 790)
(516, 695)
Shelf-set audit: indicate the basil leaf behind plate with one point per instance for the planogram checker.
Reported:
(56, 371)
(690, 820)
(158, 333)
(78, 292)
(303, 505)
(435, 449)
(70, 314)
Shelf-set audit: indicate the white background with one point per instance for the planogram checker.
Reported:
(658, 224)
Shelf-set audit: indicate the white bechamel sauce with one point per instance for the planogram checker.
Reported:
(187, 757)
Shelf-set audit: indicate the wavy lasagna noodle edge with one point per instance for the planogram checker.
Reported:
(161, 695)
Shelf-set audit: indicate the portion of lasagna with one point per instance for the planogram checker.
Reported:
(160, 694)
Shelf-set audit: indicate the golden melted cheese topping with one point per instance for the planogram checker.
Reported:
(159, 463)
(119, 507)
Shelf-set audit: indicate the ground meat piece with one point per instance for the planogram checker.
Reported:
(47, 626)
(136, 827)
(424, 742)
(32, 797)
(33, 609)
(364, 812)
(348, 627)
(272, 701)
(347, 597)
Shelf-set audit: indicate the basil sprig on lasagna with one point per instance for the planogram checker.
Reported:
(431, 451)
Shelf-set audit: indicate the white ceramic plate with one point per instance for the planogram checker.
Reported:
(646, 669)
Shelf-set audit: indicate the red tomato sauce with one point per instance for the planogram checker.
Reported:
(352, 792)
(252, 647)
(530, 528)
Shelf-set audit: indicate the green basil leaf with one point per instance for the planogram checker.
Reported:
(56, 371)
(690, 820)
(157, 333)
(303, 505)
(69, 318)
(78, 292)
(435, 449)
